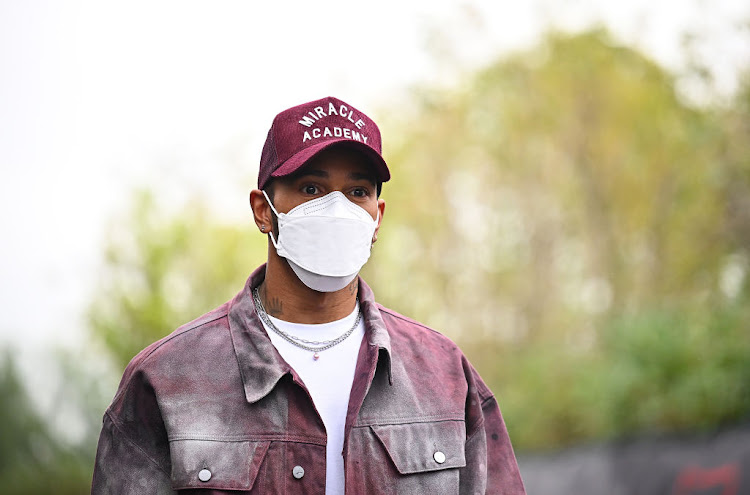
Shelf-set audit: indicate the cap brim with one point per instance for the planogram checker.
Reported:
(297, 161)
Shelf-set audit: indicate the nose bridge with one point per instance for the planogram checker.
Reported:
(344, 207)
(333, 203)
(340, 205)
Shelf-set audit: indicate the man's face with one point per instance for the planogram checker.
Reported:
(338, 169)
(335, 169)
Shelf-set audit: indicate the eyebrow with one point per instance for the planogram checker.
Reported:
(324, 175)
(361, 176)
(311, 171)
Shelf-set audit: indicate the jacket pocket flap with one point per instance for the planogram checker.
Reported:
(211, 464)
(421, 447)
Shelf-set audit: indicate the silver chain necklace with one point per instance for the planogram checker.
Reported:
(315, 346)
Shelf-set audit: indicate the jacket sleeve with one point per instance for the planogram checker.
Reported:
(122, 467)
(132, 457)
(491, 465)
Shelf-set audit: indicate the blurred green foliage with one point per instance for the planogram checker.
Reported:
(164, 270)
(32, 459)
(579, 228)
(584, 233)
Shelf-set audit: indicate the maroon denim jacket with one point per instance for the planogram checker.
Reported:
(213, 408)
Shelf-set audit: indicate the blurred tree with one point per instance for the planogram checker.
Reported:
(162, 271)
(579, 228)
(32, 459)
(573, 175)
(560, 214)
(735, 179)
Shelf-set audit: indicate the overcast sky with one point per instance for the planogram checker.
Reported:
(99, 97)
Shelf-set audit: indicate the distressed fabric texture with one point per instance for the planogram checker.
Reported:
(213, 408)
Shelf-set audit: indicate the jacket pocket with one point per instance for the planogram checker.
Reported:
(424, 447)
(218, 465)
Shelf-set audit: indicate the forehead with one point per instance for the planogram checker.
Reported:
(338, 160)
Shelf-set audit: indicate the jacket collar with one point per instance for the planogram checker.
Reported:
(261, 366)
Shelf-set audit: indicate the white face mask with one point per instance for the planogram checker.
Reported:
(326, 240)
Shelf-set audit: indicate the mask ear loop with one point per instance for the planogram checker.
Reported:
(270, 233)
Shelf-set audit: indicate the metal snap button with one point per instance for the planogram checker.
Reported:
(298, 472)
(204, 475)
(439, 457)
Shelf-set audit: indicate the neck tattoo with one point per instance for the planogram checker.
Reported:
(314, 346)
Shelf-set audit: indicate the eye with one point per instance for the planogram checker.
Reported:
(360, 192)
(310, 189)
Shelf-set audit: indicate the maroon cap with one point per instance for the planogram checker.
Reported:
(301, 132)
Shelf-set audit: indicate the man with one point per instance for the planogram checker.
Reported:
(302, 383)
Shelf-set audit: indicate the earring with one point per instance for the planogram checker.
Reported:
(262, 228)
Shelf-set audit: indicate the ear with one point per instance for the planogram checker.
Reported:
(261, 211)
(381, 211)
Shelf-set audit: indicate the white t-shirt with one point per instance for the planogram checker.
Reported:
(328, 379)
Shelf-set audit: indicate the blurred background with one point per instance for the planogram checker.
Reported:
(570, 203)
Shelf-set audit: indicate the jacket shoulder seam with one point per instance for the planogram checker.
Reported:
(181, 331)
(138, 362)
(118, 427)
(406, 319)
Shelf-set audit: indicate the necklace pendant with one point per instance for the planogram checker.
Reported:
(316, 356)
